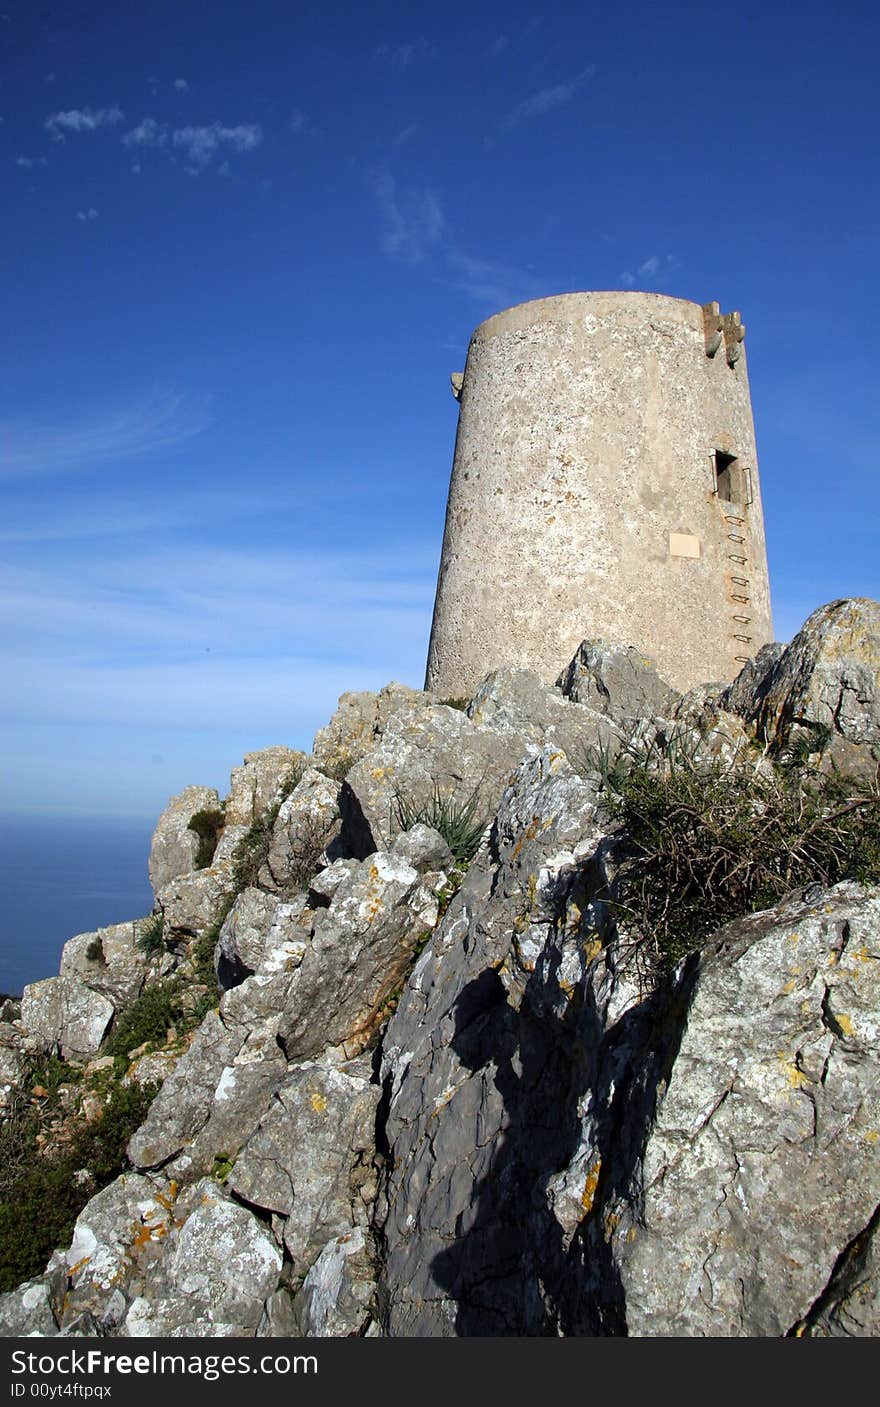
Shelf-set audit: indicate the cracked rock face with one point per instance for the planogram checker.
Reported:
(174, 846)
(569, 1156)
(828, 676)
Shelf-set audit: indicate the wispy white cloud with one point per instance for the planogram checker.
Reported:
(403, 56)
(86, 215)
(498, 46)
(655, 269)
(181, 85)
(412, 218)
(547, 99)
(189, 636)
(148, 133)
(27, 162)
(489, 281)
(300, 123)
(201, 144)
(82, 120)
(162, 419)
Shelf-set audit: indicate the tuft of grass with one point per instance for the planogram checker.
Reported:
(460, 820)
(707, 841)
(95, 951)
(150, 935)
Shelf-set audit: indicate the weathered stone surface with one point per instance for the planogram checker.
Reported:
(760, 1165)
(118, 972)
(261, 933)
(516, 701)
(307, 825)
(193, 903)
(828, 677)
(326, 882)
(423, 848)
(483, 1067)
(13, 1063)
(339, 1291)
(422, 749)
(257, 786)
(586, 1159)
(175, 847)
(358, 724)
(215, 1273)
(617, 680)
(118, 1240)
(183, 1105)
(27, 1311)
(361, 947)
(65, 1016)
(300, 1161)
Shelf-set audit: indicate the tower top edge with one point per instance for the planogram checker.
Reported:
(563, 307)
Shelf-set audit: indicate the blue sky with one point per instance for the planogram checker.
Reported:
(244, 247)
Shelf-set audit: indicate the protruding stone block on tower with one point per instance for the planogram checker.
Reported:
(605, 484)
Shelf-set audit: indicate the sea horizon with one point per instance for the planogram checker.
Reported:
(64, 873)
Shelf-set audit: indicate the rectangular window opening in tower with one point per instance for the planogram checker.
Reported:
(733, 482)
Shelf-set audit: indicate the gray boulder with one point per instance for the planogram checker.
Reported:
(827, 678)
(307, 825)
(617, 680)
(262, 933)
(338, 1294)
(216, 1270)
(256, 787)
(26, 1312)
(175, 847)
(301, 1161)
(358, 724)
(361, 948)
(194, 903)
(117, 971)
(424, 749)
(64, 1016)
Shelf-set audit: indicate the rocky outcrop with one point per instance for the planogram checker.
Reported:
(449, 1099)
(826, 682)
(176, 846)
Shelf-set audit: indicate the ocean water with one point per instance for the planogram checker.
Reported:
(61, 875)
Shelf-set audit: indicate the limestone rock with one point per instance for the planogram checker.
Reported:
(307, 825)
(261, 933)
(423, 848)
(119, 968)
(118, 1239)
(183, 1105)
(337, 1294)
(65, 1016)
(424, 748)
(216, 1270)
(194, 903)
(361, 947)
(299, 1163)
(256, 788)
(27, 1311)
(828, 677)
(617, 680)
(516, 701)
(175, 847)
(759, 1168)
(358, 724)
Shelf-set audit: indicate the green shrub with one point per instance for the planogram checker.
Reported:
(705, 842)
(95, 951)
(148, 1018)
(461, 822)
(40, 1194)
(207, 826)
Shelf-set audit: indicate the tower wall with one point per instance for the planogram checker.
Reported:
(605, 484)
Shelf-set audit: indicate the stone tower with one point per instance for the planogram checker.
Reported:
(605, 484)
